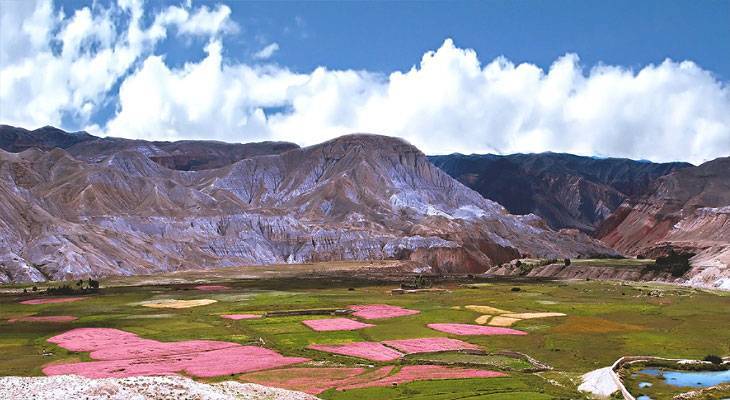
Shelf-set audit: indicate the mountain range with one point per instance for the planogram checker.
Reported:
(568, 191)
(77, 205)
(97, 207)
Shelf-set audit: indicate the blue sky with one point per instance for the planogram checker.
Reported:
(603, 78)
(384, 36)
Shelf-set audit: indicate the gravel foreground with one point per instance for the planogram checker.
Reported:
(137, 388)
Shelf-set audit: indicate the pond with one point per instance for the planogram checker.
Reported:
(690, 378)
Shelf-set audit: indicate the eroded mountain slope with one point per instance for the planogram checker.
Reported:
(568, 191)
(688, 212)
(356, 197)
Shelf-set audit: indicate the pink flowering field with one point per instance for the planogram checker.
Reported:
(335, 324)
(429, 345)
(52, 300)
(373, 351)
(240, 316)
(378, 311)
(469, 329)
(122, 354)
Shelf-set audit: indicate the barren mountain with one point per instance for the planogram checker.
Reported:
(568, 191)
(353, 198)
(686, 212)
(182, 155)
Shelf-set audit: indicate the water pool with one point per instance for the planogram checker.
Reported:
(690, 378)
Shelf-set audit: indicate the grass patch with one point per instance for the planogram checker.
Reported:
(491, 361)
(604, 321)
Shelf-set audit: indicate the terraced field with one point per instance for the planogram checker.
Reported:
(603, 321)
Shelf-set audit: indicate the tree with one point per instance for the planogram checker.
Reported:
(566, 262)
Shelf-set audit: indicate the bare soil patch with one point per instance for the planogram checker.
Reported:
(531, 315)
(318, 380)
(503, 321)
(308, 380)
(578, 324)
(410, 373)
(486, 309)
(177, 304)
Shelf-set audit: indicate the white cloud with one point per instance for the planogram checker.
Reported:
(267, 52)
(448, 102)
(39, 86)
(202, 21)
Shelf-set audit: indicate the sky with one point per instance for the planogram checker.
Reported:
(637, 79)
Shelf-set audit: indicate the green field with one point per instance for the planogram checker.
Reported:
(604, 321)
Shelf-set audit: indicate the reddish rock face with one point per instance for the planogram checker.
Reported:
(104, 207)
(686, 212)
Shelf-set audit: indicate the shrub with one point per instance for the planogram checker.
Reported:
(515, 289)
(676, 264)
(419, 282)
(566, 262)
(717, 360)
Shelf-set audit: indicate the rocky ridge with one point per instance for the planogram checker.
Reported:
(139, 387)
(686, 212)
(70, 213)
(568, 191)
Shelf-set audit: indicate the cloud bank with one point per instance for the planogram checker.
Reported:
(56, 68)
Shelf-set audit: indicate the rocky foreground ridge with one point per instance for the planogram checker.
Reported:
(75, 206)
(138, 387)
